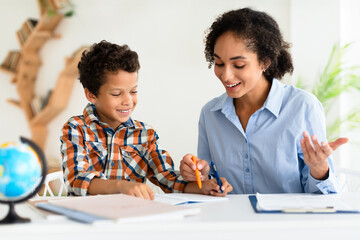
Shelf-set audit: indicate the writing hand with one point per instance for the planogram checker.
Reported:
(211, 187)
(187, 168)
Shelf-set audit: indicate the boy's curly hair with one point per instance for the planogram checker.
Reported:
(102, 58)
(261, 34)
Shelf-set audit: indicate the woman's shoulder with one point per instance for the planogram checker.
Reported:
(295, 94)
(215, 103)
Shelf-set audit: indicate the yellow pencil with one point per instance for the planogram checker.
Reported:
(197, 172)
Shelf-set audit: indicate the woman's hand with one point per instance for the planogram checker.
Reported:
(316, 154)
(209, 187)
(187, 168)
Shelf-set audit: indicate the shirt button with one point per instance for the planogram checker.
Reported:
(247, 170)
(246, 156)
(112, 164)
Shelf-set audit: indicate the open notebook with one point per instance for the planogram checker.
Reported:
(185, 198)
(115, 208)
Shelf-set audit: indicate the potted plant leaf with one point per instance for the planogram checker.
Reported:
(337, 78)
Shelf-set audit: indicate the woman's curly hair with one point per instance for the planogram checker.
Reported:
(261, 34)
(103, 58)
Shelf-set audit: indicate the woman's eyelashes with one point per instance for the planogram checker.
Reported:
(239, 67)
(235, 66)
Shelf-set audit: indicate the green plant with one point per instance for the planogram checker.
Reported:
(64, 7)
(337, 78)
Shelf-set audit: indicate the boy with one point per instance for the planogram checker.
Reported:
(104, 151)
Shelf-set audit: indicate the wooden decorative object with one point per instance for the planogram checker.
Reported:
(23, 65)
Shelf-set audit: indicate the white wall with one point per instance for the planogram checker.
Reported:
(314, 32)
(174, 79)
(349, 22)
(315, 27)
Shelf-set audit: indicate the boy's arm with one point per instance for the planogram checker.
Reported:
(75, 163)
(107, 186)
(80, 180)
(161, 170)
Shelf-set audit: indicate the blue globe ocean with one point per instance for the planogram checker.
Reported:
(20, 171)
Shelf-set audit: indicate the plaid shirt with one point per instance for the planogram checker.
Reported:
(91, 148)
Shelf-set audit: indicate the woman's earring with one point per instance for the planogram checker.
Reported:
(264, 70)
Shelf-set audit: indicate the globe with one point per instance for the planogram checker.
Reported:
(22, 173)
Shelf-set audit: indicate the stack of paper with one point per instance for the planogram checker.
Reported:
(116, 208)
(314, 203)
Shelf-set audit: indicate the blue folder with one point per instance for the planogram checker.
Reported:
(253, 201)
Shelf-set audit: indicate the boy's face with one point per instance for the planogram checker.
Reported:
(116, 99)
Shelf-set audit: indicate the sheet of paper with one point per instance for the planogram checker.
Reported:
(183, 198)
(279, 202)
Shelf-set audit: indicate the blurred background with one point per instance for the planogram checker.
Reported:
(174, 80)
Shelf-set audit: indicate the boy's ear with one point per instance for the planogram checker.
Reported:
(90, 97)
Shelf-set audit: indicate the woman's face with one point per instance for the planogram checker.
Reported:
(237, 68)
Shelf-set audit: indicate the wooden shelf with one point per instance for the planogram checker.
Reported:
(7, 71)
(24, 64)
(15, 103)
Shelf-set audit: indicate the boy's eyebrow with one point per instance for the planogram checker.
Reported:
(233, 58)
(123, 88)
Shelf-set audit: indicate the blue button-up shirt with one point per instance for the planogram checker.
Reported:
(267, 157)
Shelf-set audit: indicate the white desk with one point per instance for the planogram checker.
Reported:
(233, 219)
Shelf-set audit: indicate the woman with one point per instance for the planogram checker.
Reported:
(255, 132)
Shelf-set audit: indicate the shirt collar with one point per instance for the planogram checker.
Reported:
(273, 101)
(91, 116)
(223, 101)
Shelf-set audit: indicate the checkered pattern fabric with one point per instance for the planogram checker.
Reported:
(91, 148)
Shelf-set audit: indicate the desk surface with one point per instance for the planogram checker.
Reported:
(225, 219)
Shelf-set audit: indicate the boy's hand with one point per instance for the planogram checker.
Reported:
(136, 189)
(210, 187)
(187, 168)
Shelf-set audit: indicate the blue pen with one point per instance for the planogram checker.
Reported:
(216, 176)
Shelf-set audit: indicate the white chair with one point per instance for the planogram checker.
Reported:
(349, 179)
(57, 180)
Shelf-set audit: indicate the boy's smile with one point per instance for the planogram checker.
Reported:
(117, 98)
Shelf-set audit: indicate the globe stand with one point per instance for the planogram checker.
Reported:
(12, 217)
